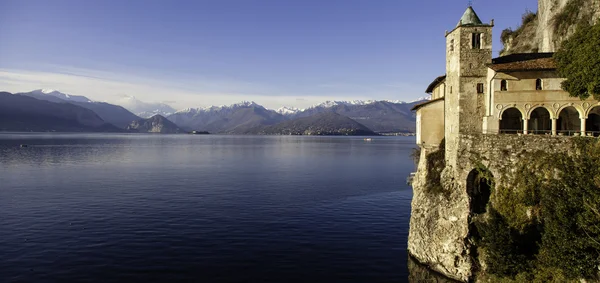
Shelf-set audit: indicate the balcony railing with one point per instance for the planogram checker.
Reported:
(546, 132)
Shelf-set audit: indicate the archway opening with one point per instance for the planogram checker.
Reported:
(592, 124)
(540, 122)
(512, 121)
(568, 122)
(479, 188)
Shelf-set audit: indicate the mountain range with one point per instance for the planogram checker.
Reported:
(145, 109)
(326, 123)
(110, 113)
(24, 113)
(330, 117)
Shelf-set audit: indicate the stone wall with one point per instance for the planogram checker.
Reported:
(439, 226)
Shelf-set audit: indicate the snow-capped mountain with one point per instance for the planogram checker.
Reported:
(329, 104)
(60, 95)
(288, 110)
(380, 116)
(235, 118)
(424, 98)
(145, 109)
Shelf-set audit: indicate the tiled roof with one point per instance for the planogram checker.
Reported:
(435, 83)
(523, 62)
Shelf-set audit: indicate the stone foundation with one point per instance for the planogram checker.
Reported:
(439, 225)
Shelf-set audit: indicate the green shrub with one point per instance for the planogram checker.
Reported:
(577, 60)
(545, 222)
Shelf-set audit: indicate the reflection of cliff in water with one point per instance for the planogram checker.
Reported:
(421, 273)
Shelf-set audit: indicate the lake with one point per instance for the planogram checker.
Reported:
(148, 208)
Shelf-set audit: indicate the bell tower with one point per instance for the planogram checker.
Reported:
(468, 52)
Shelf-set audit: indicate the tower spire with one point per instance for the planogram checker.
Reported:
(469, 18)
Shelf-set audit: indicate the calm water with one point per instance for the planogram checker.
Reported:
(147, 208)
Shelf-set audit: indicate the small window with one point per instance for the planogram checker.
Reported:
(451, 90)
(503, 85)
(479, 88)
(476, 40)
(538, 84)
(451, 45)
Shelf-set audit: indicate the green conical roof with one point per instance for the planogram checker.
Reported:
(469, 18)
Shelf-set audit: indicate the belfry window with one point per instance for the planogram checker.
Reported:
(538, 84)
(476, 40)
(479, 88)
(451, 45)
(503, 85)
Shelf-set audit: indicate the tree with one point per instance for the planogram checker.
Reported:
(578, 60)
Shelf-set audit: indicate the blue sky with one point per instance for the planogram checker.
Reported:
(211, 52)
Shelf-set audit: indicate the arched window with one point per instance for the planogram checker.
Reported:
(511, 122)
(592, 123)
(568, 122)
(538, 84)
(503, 85)
(539, 121)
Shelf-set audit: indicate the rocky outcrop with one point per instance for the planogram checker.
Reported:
(554, 21)
(439, 220)
(443, 203)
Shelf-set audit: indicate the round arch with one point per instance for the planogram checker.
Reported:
(592, 109)
(548, 108)
(539, 120)
(569, 121)
(501, 112)
(511, 121)
(592, 123)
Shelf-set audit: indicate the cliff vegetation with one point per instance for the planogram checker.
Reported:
(546, 29)
(543, 224)
(579, 63)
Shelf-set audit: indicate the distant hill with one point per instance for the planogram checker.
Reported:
(155, 124)
(328, 123)
(110, 113)
(233, 119)
(379, 116)
(23, 113)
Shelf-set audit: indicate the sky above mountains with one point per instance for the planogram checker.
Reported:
(210, 52)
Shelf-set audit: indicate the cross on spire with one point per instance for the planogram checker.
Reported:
(470, 3)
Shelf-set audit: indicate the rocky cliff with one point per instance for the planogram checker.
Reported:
(545, 30)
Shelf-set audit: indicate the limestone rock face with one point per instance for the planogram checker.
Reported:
(439, 224)
(541, 34)
(440, 233)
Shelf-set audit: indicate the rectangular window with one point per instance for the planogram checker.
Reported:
(479, 88)
(451, 45)
(476, 40)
